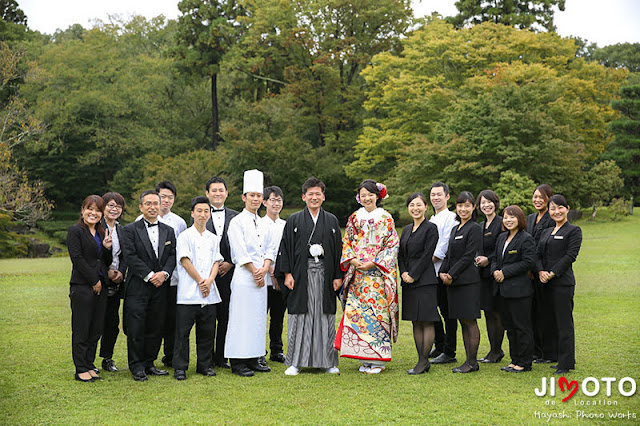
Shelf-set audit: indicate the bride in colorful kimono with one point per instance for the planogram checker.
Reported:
(370, 297)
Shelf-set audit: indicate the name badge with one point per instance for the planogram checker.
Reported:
(295, 229)
(167, 243)
(513, 251)
(558, 237)
(459, 237)
(488, 234)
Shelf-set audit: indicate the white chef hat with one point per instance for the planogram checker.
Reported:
(253, 181)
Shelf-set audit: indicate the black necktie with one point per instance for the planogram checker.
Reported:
(149, 224)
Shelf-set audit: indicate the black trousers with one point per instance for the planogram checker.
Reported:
(238, 363)
(516, 317)
(144, 313)
(545, 337)
(111, 326)
(446, 336)
(170, 324)
(222, 317)
(562, 312)
(277, 307)
(204, 318)
(87, 319)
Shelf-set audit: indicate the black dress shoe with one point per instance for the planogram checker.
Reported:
(166, 361)
(443, 359)
(154, 371)
(492, 360)
(257, 366)
(466, 368)
(516, 370)
(262, 361)
(561, 371)
(222, 364)
(80, 379)
(96, 370)
(96, 378)
(109, 365)
(415, 370)
(434, 353)
(543, 361)
(243, 372)
(180, 375)
(554, 366)
(277, 357)
(140, 376)
(208, 372)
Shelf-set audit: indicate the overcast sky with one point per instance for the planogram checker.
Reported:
(604, 22)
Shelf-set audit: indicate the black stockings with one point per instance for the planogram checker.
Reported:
(471, 338)
(423, 335)
(495, 331)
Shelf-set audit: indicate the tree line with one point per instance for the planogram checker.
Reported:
(490, 98)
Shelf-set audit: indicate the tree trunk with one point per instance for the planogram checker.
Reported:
(214, 112)
(593, 213)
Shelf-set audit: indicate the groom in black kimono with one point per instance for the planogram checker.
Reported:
(309, 265)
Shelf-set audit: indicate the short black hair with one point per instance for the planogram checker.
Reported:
(462, 198)
(148, 192)
(272, 190)
(216, 179)
(415, 195)
(491, 196)
(442, 185)
(167, 184)
(559, 200)
(312, 182)
(200, 199)
(371, 186)
(114, 196)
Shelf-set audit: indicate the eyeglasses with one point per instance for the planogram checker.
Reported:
(275, 200)
(114, 206)
(151, 203)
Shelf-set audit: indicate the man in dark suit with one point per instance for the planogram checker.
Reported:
(149, 248)
(217, 192)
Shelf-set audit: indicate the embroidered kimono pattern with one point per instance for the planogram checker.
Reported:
(370, 320)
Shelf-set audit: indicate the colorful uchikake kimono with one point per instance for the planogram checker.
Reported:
(370, 298)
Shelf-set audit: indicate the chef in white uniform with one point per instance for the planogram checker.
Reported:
(252, 252)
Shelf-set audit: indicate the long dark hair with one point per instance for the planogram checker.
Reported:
(463, 197)
(99, 203)
(371, 186)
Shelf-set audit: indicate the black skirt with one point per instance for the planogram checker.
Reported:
(488, 301)
(464, 301)
(420, 303)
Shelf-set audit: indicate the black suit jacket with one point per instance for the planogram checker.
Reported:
(489, 238)
(464, 245)
(140, 256)
(535, 229)
(416, 253)
(88, 265)
(225, 249)
(556, 253)
(518, 259)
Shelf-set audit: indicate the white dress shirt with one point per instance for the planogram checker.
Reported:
(203, 250)
(217, 217)
(445, 221)
(276, 229)
(179, 225)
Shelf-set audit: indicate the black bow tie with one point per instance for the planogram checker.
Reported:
(149, 224)
(214, 210)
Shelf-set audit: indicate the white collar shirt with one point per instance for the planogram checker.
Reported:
(250, 240)
(217, 217)
(179, 225)
(445, 221)
(275, 229)
(115, 247)
(203, 250)
(154, 235)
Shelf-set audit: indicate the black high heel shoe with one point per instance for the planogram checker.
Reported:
(415, 371)
(487, 359)
(80, 379)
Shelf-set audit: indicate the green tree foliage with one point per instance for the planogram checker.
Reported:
(515, 189)
(621, 55)
(109, 96)
(206, 31)
(466, 106)
(521, 14)
(625, 148)
(601, 184)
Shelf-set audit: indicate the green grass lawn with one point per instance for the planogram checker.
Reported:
(37, 386)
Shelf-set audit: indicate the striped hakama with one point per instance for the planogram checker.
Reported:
(311, 334)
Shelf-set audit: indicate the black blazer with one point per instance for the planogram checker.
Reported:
(489, 238)
(518, 259)
(535, 229)
(83, 251)
(556, 253)
(464, 245)
(141, 258)
(416, 254)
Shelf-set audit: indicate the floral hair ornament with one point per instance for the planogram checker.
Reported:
(383, 190)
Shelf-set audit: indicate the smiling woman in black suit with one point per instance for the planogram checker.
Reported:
(489, 203)
(558, 248)
(460, 274)
(418, 279)
(90, 252)
(515, 256)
